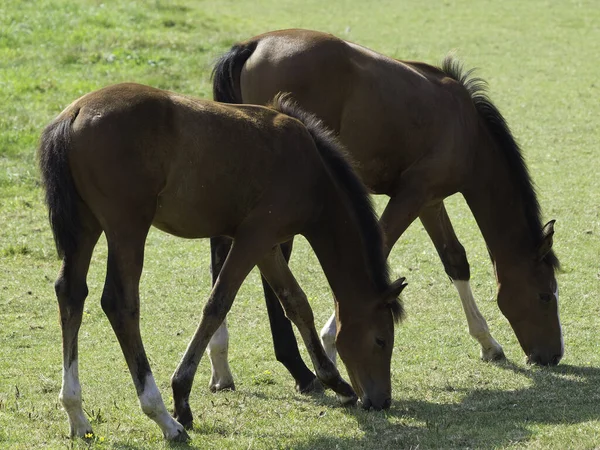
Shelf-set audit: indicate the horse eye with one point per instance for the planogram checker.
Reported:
(380, 342)
(546, 298)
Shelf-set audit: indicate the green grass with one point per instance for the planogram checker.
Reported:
(541, 60)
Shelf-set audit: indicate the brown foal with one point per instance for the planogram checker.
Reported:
(127, 157)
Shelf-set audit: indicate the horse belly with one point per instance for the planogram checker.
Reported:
(193, 215)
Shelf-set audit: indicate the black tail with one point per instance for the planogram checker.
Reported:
(226, 74)
(337, 160)
(57, 181)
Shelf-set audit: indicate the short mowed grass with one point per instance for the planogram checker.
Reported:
(540, 59)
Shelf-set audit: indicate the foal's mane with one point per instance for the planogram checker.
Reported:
(498, 128)
(337, 160)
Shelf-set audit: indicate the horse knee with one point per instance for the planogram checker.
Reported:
(455, 263)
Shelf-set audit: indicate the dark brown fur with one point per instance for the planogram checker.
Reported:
(419, 134)
(127, 157)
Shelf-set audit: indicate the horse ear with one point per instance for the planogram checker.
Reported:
(547, 240)
(396, 288)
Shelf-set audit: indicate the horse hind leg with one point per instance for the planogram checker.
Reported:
(437, 224)
(71, 292)
(276, 271)
(328, 333)
(218, 346)
(120, 302)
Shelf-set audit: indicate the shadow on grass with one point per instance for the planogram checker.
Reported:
(484, 418)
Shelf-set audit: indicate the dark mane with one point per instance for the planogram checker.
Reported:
(498, 128)
(337, 161)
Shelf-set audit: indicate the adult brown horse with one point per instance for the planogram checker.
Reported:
(418, 134)
(128, 156)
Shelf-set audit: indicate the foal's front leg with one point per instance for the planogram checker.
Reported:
(276, 271)
(284, 340)
(246, 250)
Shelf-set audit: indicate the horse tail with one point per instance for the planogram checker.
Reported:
(226, 73)
(57, 182)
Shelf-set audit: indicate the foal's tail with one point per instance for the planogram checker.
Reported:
(226, 74)
(57, 181)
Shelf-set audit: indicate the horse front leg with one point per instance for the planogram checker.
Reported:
(246, 250)
(276, 271)
(120, 302)
(284, 340)
(454, 258)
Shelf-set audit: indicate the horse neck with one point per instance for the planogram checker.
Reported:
(337, 241)
(498, 206)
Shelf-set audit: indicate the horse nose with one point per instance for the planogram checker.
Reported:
(368, 404)
(544, 359)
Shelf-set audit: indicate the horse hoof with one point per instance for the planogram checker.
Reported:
(493, 354)
(344, 392)
(218, 387)
(182, 436)
(347, 400)
(184, 417)
(314, 386)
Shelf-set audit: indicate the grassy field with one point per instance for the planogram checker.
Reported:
(541, 60)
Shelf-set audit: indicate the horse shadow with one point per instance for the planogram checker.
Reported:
(559, 395)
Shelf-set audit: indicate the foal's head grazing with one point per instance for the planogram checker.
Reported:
(365, 330)
(528, 291)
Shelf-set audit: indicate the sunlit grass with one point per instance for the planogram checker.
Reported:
(540, 59)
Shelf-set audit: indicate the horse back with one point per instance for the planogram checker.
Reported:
(193, 168)
(388, 113)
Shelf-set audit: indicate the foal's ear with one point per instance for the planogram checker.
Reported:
(396, 288)
(547, 240)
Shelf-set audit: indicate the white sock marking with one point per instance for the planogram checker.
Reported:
(70, 397)
(478, 327)
(328, 333)
(562, 340)
(217, 350)
(153, 406)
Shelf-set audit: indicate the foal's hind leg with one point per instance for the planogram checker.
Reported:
(275, 269)
(71, 291)
(245, 252)
(218, 346)
(121, 303)
(437, 224)
(284, 341)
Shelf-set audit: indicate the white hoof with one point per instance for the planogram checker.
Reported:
(493, 352)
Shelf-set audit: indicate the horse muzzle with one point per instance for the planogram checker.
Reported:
(544, 358)
(367, 404)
